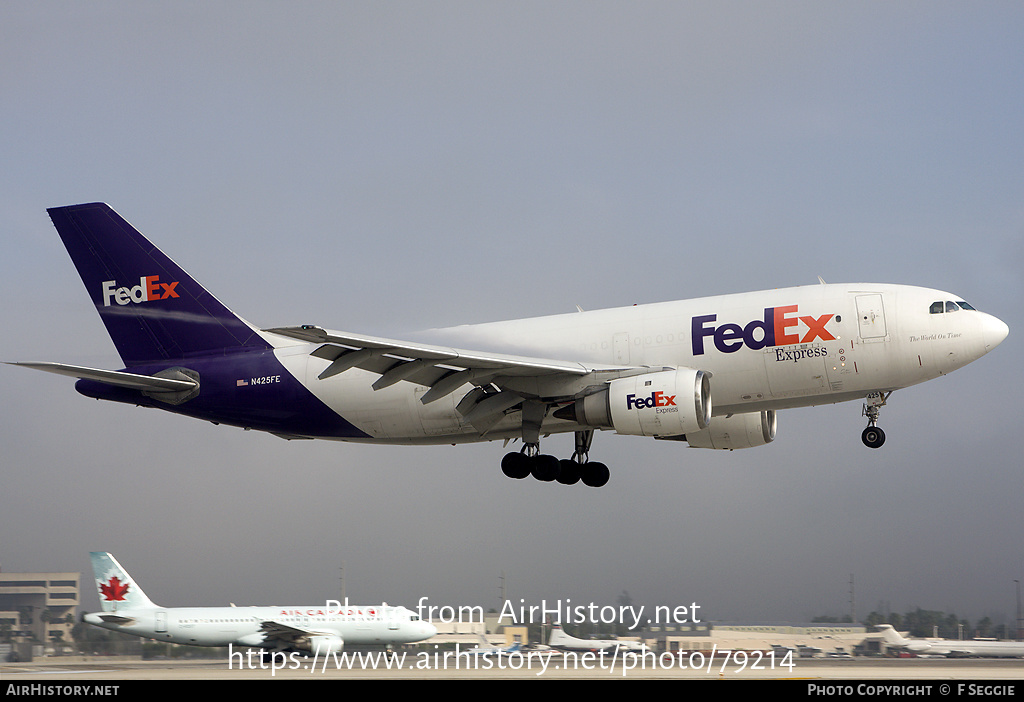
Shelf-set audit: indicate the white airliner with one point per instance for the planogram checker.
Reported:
(951, 647)
(322, 629)
(648, 370)
(487, 649)
(561, 641)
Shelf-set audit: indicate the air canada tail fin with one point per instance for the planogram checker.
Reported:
(153, 310)
(117, 589)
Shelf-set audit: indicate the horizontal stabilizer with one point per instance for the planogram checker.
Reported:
(118, 378)
(117, 619)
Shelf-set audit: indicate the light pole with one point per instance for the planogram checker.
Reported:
(1020, 620)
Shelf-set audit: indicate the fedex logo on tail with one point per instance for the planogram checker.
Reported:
(779, 327)
(149, 288)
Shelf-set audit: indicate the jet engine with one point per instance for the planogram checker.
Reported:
(736, 431)
(324, 645)
(664, 403)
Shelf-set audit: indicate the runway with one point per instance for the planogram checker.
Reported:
(557, 668)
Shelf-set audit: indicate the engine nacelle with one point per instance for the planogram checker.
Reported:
(736, 432)
(665, 403)
(324, 645)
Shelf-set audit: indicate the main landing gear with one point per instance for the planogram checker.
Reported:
(873, 436)
(530, 461)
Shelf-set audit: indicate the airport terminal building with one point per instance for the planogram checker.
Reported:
(38, 608)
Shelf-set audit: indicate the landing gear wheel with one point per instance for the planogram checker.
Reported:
(530, 461)
(595, 474)
(569, 472)
(515, 465)
(873, 437)
(544, 468)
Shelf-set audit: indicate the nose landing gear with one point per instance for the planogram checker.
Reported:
(873, 436)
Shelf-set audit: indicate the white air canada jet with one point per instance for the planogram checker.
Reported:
(320, 629)
(647, 370)
(561, 641)
(952, 648)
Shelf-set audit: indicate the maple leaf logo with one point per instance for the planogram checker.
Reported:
(114, 589)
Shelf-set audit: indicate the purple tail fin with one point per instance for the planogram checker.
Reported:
(153, 310)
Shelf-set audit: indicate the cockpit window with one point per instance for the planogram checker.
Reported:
(941, 306)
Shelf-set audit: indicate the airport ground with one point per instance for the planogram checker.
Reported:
(556, 668)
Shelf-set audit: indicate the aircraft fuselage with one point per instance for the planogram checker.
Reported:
(244, 626)
(777, 349)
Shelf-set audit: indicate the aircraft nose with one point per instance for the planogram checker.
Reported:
(994, 331)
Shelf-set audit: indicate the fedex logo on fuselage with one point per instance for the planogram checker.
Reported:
(779, 327)
(149, 288)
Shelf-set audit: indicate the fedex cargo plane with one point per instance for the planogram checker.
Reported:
(711, 371)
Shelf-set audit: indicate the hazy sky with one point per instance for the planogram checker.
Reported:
(385, 167)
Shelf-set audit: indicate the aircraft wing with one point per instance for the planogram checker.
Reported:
(366, 352)
(443, 369)
(285, 633)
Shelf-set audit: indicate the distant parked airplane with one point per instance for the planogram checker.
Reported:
(486, 649)
(952, 648)
(563, 642)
